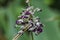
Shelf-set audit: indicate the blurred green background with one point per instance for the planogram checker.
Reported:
(50, 17)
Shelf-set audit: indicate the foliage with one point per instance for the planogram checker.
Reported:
(50, 19)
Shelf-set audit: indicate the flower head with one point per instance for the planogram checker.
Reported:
(27, 17)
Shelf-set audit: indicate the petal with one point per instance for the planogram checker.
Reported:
(27, 13)
(39, 30)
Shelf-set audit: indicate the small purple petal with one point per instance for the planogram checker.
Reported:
(17, 22)
(39, 30)
(27, 13)
(24, 16)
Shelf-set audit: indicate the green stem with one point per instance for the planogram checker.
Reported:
(32, 36)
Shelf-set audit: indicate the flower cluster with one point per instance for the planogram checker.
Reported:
(27, 18)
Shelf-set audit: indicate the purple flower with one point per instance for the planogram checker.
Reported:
(19, 21)
(39, 30)
(27, 13)
(24, 16)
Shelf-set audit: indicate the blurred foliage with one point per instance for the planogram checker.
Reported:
(9, 10)
(54, 4)
(5, 3)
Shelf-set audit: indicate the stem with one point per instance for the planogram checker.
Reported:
(32, 36)
(18, 35)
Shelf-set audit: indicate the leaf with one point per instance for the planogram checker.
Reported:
(51, 31)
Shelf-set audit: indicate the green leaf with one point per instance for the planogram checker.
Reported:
(8, 16)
